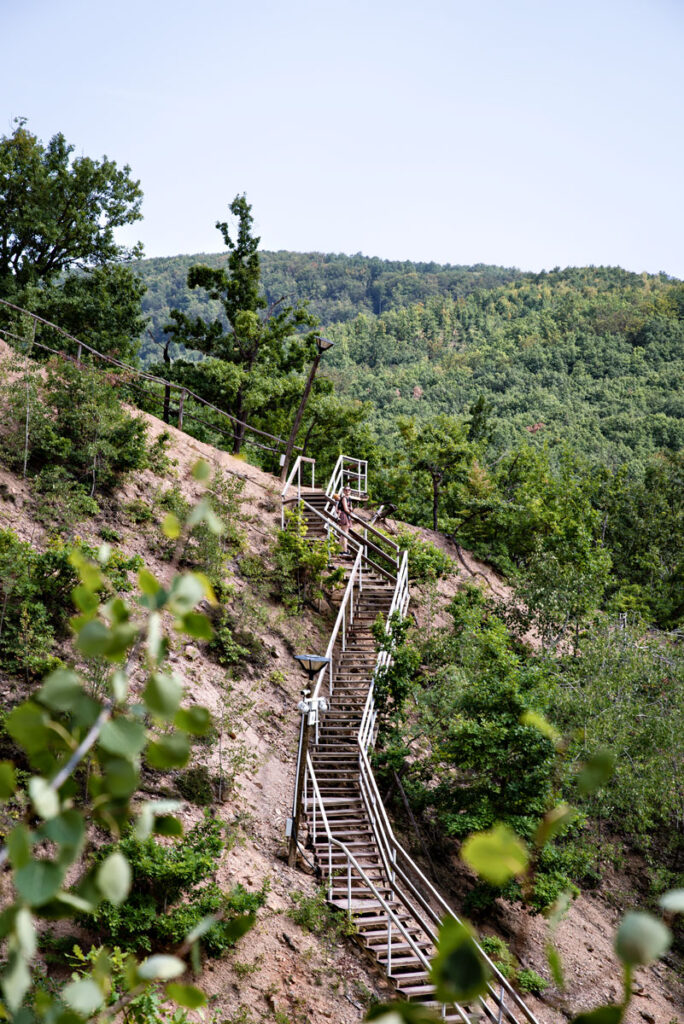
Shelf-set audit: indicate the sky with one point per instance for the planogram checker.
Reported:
(531, 133)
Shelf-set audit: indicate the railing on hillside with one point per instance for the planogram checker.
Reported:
(293, 481)
(349, 470)
(406, 884)
(345, 879)
(133, 379)
(381, 553)
(350, 876)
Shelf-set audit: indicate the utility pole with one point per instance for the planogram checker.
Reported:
(322, 344)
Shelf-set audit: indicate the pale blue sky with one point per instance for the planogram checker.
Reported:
(529, 133)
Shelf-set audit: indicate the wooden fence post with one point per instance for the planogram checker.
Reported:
(180, 410)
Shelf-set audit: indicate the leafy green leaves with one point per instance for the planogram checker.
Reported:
(673, 901)
(497, 855)
(85, 996)
(123, 737)
(602, 1015)
(8, 780)
(596, 771)
(43, 797)
(117, 735)
(114, 878)
(641, 939)
(161, 968)
(186, 995)
(458, 971)
(38, 881)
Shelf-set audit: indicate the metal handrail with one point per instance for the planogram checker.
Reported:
(393, 847)
(295, 471)
(380, 824)
(377, 533)
(340, 471)
(142, 374)
(392, 918)
(397, 864)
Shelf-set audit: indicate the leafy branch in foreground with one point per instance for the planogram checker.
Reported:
(83, 757)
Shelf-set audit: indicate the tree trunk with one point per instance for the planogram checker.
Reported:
(435, 499)
(307, 437)
(239, 435)
(167, 389)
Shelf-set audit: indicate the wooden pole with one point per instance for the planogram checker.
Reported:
(180, 410)
(298, 419)
(28, 396)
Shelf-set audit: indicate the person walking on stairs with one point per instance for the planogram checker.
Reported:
(344, 511)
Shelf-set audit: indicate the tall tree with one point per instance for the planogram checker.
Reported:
(102, 307)
(441, 449)
(260, 340)
(58, 213)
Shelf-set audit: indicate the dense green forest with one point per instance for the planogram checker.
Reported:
(336, 287)
(592, 356)
(543, 411)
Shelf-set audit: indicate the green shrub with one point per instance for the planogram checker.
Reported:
(158, 457)
(499, 953)
(35, 601)
(233, 645)
(195, 785)
(140, 511)
(525, 979)
(528, 981)
(203, 548)
(173, 889)
(109, 534)
(76, 424)
(314, 914)
(425, 560)
(148, 1007)
(302, 564)
(60, 501)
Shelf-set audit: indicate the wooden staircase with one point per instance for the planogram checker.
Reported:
(395, 909)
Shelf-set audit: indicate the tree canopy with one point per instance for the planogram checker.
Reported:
(57, 212)
(261, 340)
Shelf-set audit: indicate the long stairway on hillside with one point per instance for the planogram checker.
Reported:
(395, 909)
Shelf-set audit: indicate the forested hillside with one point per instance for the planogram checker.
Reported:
(593, 357)
(336, 287)
(537, 417)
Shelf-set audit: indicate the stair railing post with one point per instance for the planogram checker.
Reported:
(330, 874)
(304, 732)
(348, 885)
(389, 944)
(181, 399)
